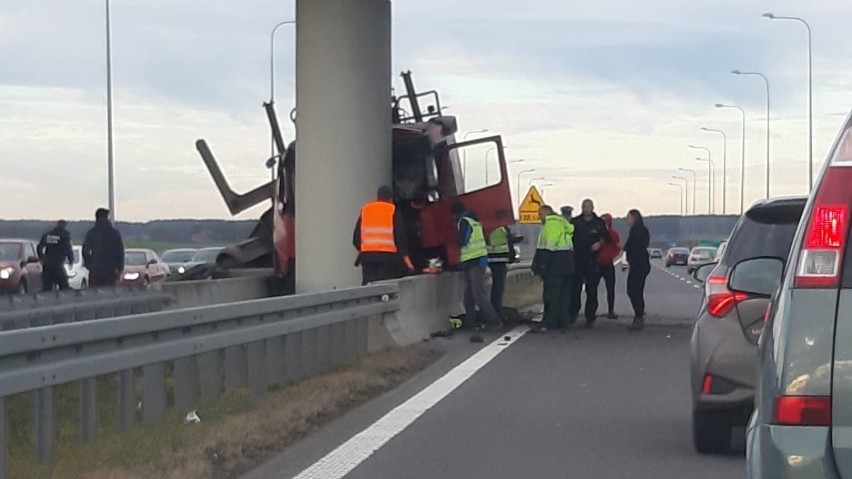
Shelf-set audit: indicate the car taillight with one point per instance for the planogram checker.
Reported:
(721, 300)
(802, 411)
(824, 242)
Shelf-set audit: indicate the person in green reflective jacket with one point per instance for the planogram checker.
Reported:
(554, 263)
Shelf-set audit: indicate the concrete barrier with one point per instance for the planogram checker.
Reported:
(426, 304)
(190, 294)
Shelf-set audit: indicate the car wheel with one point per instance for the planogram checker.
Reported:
(22, 288)
(711, 431)
(146, 281)
(84, 284)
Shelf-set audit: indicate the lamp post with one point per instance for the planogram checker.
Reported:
(694, 179)
(543, 186)
(464, 151)
(742, 158)
(686, 195)
(709, 183)
(724, 167)
(810, 94)
(538, 178)
(520, 173)
(493, 148)
(272, 73)
(680, 186)
(711, 180)
(765, 80)
(110, 157)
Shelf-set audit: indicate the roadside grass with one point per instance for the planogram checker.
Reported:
(160, 246)
(236, 433)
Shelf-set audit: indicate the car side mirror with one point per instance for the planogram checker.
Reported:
(702, 272)
(152, 262)
(33, 259)
(757, 276)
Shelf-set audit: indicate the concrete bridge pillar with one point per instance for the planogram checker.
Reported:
(343, 131)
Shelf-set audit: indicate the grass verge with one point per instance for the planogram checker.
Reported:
(236, 432)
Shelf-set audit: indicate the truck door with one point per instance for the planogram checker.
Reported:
(473, 172)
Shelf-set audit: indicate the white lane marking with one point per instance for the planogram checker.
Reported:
(696, 286)
(682, 279)
(689, 282)
(341, 461)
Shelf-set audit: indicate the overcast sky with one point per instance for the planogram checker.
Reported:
(603, 97)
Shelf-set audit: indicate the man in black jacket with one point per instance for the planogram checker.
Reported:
(590, 233)
(103, 251)
(53, 250)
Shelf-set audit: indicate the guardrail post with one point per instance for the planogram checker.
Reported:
(362, 341)
(235, 367)
(276, 370)
(309, 353)
(45, 426)
(350, 339)
(323, 349)
(88, 410)
(211, 376)
(125, 396)
(154, 392)
(293, 370)
(256, 368)
(4, 441)
(338, 343)
(184, 383)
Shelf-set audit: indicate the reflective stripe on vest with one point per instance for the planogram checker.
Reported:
(377, 228)
(556, 234)
(498, 245)
(475, 247)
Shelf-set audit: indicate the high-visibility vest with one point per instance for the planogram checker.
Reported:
(475, 247)
(377, 228)
(556, 235)
(498, 245)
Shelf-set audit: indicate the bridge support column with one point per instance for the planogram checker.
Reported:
(343, 131)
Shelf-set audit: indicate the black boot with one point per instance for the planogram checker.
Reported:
(638, 323)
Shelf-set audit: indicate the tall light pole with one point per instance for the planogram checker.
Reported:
(543, 186)
(686, 196)
(810, 94)
(694, 186)
(711, 180)
(464, 151)
(766, 81)
(724, 167)
(680, 186)
(493, 148)
(538, 178)
(272, 74)
(710, 166)
(520, 173)
(742, 158)
(110, 158)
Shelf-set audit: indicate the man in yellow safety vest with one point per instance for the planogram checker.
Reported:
(501, 252)
(474, 261)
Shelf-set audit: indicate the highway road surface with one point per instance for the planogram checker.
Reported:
(600, 403)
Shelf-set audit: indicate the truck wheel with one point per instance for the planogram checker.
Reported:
(711, 431)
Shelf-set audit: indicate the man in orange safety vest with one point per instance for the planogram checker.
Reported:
(380, 240)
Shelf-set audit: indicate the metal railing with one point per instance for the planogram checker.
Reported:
(191, 355)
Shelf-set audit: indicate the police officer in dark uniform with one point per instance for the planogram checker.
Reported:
(53, 250)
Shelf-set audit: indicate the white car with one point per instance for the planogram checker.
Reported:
(78, 275)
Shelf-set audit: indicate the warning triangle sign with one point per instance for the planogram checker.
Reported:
(528, 211)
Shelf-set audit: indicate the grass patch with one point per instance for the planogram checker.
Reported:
(236, 434)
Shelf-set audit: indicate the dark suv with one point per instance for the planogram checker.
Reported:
(724, 342)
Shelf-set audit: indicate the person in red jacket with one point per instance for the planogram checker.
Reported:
(606, 263)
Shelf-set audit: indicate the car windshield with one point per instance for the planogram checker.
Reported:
(178, 256)
(135, 258)
(764, 231)
(10, 251)
(709, 252)
(206, 255)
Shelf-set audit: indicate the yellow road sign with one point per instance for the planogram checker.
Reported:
(528, 211)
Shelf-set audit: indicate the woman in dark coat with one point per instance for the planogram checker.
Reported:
(636, 249)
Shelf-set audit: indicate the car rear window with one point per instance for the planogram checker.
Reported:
(764, 231)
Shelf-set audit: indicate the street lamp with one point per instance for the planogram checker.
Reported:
(710, 167)
(810, 95)
(110, 157)
(694, 179)
(686, 196)
(272, 73)
(680, 186)
(493, 148)
(724, 167)
(711, 180)
(520, 173)
(539, 178)
(543, 186)
(464, 152)
(765, 80)
(742, 158)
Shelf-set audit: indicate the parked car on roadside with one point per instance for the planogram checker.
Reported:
(78, 275)
(730, 320)
(802, 423)
(176, 259)
(201, 266)
(20, 268)
(677, 257)
(141, 268)
(700, 255)
(655, 253)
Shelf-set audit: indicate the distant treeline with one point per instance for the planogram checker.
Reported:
(163, 231)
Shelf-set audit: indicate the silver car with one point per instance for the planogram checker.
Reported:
(700, 255)
(802, 423)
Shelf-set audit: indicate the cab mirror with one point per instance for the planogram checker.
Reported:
(702, 272)
(757, 276)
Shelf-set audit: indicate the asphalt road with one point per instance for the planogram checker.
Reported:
(600, 403)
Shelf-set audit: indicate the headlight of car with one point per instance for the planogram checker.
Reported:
(131, 276)
(181, 270)
(6, 272)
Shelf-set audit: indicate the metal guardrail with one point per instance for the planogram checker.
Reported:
(44, 309)
(199, 352)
